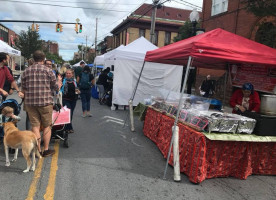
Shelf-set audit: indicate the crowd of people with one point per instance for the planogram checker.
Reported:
(41, 83)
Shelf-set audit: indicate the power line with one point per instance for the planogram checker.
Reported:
(86, 2)
(33, 3)
(186, 4)
(127, 25)
(190, 4)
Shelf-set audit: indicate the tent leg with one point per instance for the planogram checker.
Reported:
(177, 115)
(225, 83)
(131, 100)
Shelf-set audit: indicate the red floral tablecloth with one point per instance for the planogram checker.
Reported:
(201, 158)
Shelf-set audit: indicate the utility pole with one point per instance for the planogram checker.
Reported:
(82, 51)
(86, 53)
(96, 37)
(153, 17)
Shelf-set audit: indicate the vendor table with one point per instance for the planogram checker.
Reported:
(202, 158)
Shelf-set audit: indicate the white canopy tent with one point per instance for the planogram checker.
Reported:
(78, 64)
(4, 47)
(109, 56)
(99, 60)
(128, 62)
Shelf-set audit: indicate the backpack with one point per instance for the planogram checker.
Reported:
(85, 84)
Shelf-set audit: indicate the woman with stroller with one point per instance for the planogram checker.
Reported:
(70, 93)
(85, 81)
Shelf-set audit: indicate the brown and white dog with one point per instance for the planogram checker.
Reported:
(16, 139)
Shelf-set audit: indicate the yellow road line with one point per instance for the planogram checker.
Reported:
(37, 174)
(50, 190)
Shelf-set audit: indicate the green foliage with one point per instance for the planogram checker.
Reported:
(55, 57)
(28, 42)
(261, 8)
(185, 31)
(266, 34)
(80, 47)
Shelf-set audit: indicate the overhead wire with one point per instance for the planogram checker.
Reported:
(126, 26)
(63, 6)
(190, 4)
(86, 2)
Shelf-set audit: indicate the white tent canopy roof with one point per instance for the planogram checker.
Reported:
(4, 47)
(99, 60)
(136, 50)
(111, 54)
(78, 64)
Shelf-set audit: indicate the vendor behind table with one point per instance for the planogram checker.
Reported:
(245, 99)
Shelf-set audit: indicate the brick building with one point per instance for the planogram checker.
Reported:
(50, 46)
(232, 16)
(105, 45)
(168, 22)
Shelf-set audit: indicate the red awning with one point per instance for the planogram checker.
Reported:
(214, 49)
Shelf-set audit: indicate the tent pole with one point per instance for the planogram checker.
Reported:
(225, 82)
(130, 102)
(177, 115)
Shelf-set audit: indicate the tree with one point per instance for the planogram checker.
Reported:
(28, 42)
(261, 8)
(185, 31)
(266, 33)
(54, 57)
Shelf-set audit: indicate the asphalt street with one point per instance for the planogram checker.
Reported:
(105, 160)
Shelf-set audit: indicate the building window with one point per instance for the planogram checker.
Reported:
(167, 38)
(142, 32)
(219, 6)
(155, 39)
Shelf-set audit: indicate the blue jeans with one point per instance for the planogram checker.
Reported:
(71, 105)
(85, 100)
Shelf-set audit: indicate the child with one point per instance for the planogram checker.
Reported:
(7, 115)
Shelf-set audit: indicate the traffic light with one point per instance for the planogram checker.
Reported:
(61, 28)
(36, 27)
(58, 27)
(76, 28)
(80, 28)
(33, 27)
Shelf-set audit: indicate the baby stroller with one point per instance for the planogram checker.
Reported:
(107, 96)
(57, 130)
(16, 110)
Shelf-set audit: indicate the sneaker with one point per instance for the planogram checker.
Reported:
(83, 115)
(48, 152)
(89, 115)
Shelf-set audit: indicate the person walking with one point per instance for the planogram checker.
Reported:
(207, 88)
(70, 93)
(79, 69)
(85, 81)
(39, 84)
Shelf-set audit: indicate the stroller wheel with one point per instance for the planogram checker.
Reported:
(66, 143)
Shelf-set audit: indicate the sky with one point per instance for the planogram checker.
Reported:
(110, 13)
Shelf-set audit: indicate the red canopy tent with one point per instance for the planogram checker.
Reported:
(214, 49)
